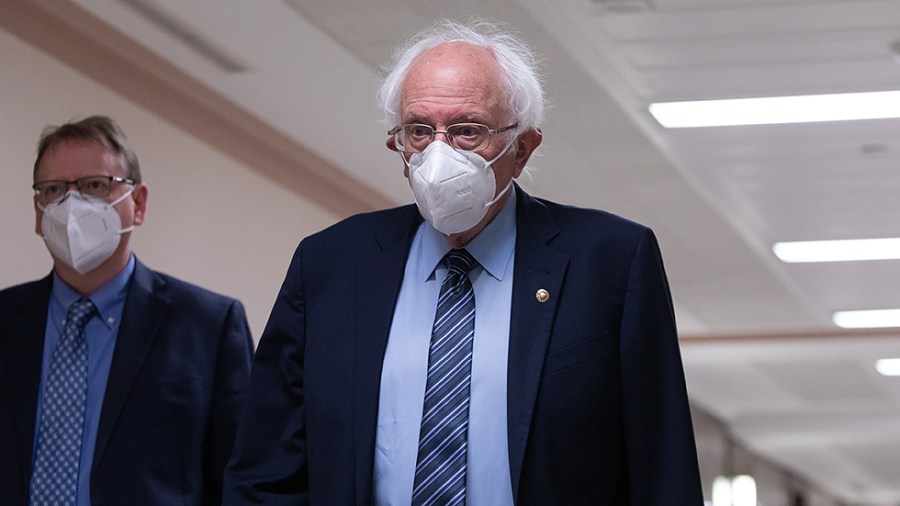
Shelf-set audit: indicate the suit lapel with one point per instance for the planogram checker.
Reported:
(141, 317)
(379, 277)
(537, 266)
(26, 329)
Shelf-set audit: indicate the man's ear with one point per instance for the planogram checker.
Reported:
(525, 146)
(139, 194)
(390, 143)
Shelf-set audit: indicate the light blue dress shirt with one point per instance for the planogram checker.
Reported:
(100, 335)
(404, 374)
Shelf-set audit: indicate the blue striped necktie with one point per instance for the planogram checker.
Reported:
(441, 463)
(54, 480)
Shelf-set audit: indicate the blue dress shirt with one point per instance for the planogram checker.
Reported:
(100, 335)
(406, 363)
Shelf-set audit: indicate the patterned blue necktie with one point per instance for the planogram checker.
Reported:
(441, 464)
(54, 480)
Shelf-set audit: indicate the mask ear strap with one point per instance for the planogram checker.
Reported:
(404, 160)
(123, 197)
(500, 195)
(120, 199)
(503, 152)
(508, 185)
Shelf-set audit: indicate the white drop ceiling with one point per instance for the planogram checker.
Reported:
(759, 347)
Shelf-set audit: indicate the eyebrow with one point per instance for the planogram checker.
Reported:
(463, 118)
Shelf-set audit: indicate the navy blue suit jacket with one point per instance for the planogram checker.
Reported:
(176, 384)
(597, 408)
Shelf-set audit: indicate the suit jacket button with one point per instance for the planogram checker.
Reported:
(542, 295)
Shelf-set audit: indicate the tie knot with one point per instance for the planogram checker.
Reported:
(459, 261)
(80, 312)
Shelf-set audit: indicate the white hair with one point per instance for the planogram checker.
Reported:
(518, 67)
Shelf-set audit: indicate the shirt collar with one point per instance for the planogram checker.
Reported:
(109, 299)
(492, 247)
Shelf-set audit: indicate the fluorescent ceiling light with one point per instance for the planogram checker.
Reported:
(888, 366)
(777, 110)
(867, 319)
(838, 251)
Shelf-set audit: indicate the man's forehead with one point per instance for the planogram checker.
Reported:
(78, 145)
(457, 53)
(70, 154)
(459, 78)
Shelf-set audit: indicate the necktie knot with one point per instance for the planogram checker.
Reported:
(78, 314)
(459, 261)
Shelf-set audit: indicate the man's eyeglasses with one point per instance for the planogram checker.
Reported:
(415, 137)
(48, 192)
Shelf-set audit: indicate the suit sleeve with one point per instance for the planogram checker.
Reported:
(660, 450)
(268, 464)
(232, 372)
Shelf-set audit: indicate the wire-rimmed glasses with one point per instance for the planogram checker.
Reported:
(48, 192)
(415, 137)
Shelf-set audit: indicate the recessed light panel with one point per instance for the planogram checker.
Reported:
(778, 110)
(867, 318)
(887, 248)
(888, 366)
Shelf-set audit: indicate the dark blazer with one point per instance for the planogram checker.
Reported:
(176, 384)
(597, 408)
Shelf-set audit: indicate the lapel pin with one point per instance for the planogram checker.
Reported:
(542, 295)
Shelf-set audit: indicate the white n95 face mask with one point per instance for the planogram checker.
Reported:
(453, 189)
(82, 232)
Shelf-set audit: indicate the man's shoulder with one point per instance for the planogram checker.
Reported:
(361, 227)
(177, 290)
(590, 233)
(25, 291)
(571, 217)
(366, 221)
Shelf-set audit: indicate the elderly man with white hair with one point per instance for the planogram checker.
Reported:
(480, 347)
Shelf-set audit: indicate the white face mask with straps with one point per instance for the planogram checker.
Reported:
(81, 231)
(453, 189)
